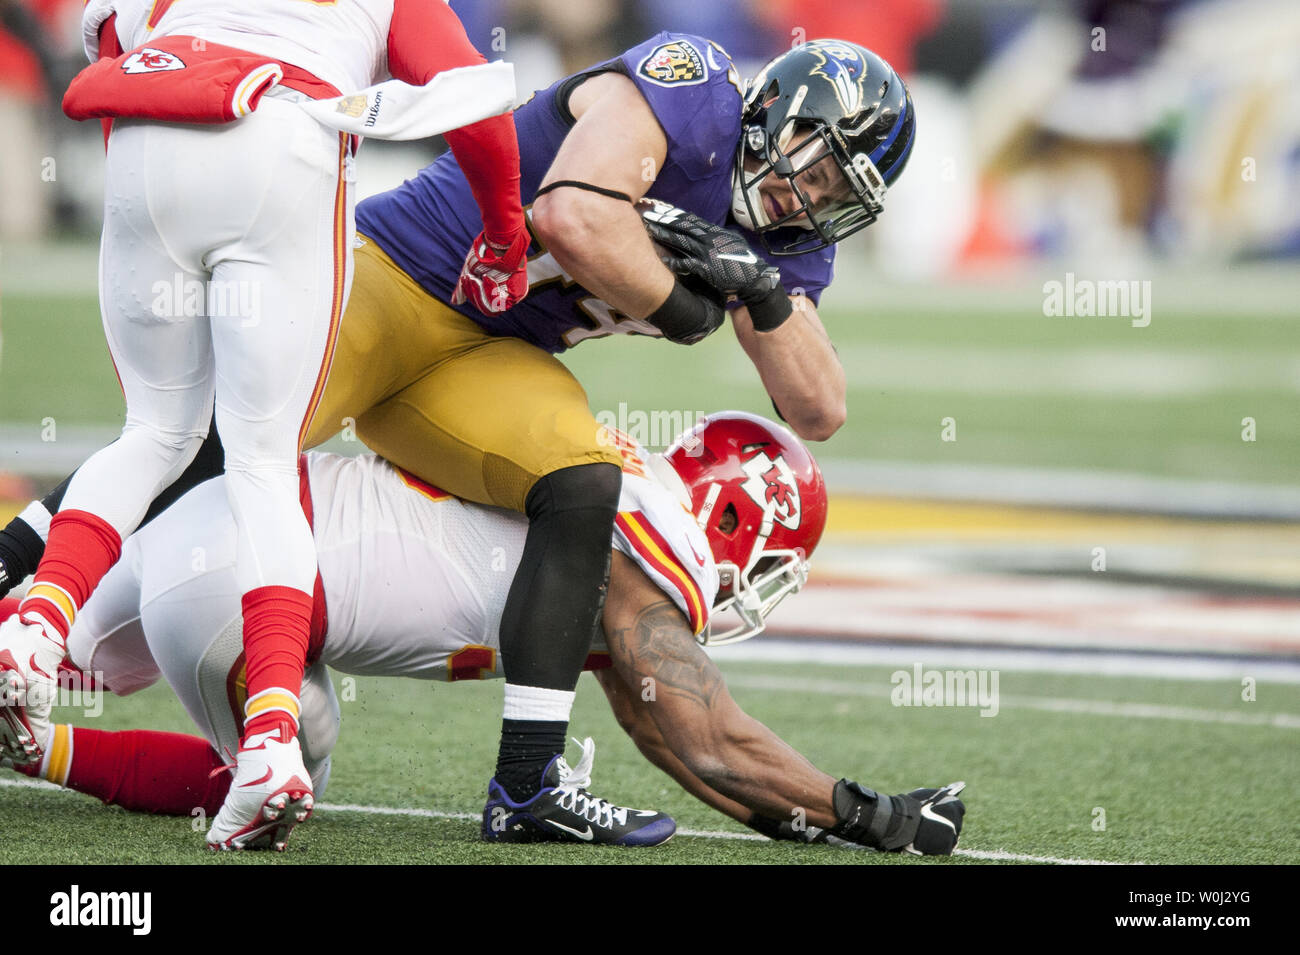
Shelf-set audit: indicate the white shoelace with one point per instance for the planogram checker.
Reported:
(574, 796)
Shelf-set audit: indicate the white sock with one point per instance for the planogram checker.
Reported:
(537, 703)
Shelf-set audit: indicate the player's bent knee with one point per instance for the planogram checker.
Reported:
(168, 453)
(168, 443)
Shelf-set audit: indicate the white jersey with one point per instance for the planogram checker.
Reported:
(656, 529)
(414, 582)
(344, 43)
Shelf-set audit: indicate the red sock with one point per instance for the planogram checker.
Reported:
(80, 551)
(277, 628)
(143, 770)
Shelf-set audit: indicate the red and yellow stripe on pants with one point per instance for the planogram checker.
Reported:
(339, 291)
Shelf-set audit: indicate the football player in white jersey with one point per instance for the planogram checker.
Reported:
(217, 179)
(412, 584)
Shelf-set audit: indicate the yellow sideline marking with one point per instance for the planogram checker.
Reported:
(859, 515)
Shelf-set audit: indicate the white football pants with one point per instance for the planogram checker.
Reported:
(224, 269)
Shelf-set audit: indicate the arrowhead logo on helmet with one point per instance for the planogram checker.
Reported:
(771, 482)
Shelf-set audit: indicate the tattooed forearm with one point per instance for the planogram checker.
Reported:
(660, 645)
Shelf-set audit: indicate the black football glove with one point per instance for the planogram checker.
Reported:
(719, 258)
(941, 817)
(922, 822)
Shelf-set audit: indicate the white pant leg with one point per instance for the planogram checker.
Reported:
(195, 631)
(170, 608)
(261, 211)
(295, 264)
(151, 301)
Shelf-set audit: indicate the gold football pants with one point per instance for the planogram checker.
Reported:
(480, 416)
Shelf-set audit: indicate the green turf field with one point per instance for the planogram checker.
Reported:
(1035, 778)
(1024, 390)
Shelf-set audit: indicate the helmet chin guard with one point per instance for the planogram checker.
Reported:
(754, 592)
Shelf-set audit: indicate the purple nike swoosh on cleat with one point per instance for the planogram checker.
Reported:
(654, 834)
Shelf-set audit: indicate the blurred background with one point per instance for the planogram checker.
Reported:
(1009, 475)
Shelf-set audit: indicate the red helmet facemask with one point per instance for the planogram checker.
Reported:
(760, 498)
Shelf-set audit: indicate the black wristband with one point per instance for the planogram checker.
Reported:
(868, 818)
(770, 310)
(686, 317)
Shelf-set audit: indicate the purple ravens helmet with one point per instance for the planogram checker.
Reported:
(824, 98)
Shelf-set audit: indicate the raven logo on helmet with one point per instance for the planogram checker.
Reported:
(842, 67)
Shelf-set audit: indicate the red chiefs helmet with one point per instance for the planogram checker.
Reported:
(760, 498)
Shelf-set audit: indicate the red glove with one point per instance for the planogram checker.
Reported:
(494, 277)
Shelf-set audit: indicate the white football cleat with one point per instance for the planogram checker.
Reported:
(29, 667)
(270, 794)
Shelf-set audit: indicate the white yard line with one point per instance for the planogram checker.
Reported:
(1141, 711)
(1001, 856)
(993, 854)
(862, 652)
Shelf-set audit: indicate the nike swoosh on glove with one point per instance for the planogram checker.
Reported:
(941, 817)
(494, 277)
(720, 259)
(711, 253)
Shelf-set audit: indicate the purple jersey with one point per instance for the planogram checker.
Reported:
(427, 224)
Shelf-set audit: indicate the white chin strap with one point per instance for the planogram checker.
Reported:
(739, 208)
